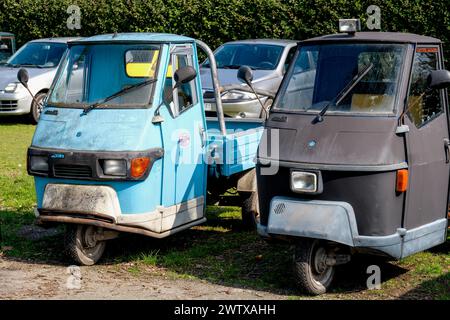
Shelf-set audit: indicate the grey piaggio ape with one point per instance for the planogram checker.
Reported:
(363, 160)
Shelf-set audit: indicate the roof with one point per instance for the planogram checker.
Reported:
(6, 34)
(136, 37)
(394, 37)
(56, 40)
(283, 42)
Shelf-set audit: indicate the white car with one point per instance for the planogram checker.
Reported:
(41, 59)
(269, 60)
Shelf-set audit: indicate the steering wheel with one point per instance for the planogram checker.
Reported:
(266, 65)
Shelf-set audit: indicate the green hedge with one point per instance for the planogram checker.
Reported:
(218, 21)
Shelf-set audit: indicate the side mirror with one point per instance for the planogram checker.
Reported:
(22, 76)
(245, 74)
(184, 75)
(439, 79)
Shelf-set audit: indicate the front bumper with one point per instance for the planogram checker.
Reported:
(15, 103)
(99, 205)
(238, 108)
(335, 221)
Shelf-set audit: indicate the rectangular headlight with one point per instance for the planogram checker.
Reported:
(115, 168)
(39, 164)
(304, 182)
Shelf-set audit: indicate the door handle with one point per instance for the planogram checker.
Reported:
(447, 150)
(202, 133)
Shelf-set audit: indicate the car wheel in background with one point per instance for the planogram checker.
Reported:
(36, 107)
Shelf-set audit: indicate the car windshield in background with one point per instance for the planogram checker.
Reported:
(321, 72)
(87, 78)
(256, 56)
(38, 54)
(6, 47)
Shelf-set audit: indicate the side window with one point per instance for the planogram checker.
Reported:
(184, 96)
(423, 105)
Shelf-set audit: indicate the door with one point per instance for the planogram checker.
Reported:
(427, 143)
(183, 135)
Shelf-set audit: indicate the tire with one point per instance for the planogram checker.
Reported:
(311, 274)
(77, 246)
(250, 211)
(36, 108)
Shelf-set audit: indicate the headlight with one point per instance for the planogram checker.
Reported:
(114, 167)
(304, 182)
(238, 95)
(11, 88)
(39, 164)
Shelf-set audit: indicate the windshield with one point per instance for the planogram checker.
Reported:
(38, 54)
(320, 72)
(256, 56)
(6, 48)
(92, 73)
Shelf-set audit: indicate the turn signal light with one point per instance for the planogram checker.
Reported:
(139, 166)
(402, 180)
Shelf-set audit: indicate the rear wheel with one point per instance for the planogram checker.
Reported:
(36, 107)
(250, 211)
(312, 271)
(81, 244)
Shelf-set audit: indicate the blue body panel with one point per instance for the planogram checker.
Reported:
(182, 172)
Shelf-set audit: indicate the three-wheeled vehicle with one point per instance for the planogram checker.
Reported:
(362, 121)
(7, 46)
(123, 144)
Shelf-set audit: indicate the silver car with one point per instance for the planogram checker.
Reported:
(41, 59)
(269, 60)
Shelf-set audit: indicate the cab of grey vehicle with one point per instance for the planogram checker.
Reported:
(364, 152)
(7, 46)
(269, 60)
(41, 59)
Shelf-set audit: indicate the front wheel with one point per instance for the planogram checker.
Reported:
(312, 270)
(81, 244)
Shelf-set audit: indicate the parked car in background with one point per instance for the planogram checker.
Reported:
(7, 46)
(268, 59)
(41, 59)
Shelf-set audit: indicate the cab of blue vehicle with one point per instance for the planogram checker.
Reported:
(121, 141)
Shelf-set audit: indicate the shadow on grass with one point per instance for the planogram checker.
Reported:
(219, 252)
(437, 289)
(14, 120)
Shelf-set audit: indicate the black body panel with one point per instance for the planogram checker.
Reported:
(378, 208)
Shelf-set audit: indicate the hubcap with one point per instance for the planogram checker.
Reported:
(89, 240)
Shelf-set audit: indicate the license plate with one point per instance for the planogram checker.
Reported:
(208, 106)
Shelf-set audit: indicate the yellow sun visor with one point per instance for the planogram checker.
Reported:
(143, 69)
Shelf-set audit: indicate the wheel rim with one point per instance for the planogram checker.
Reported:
(322, 273)
(88, 244)
(39, 105)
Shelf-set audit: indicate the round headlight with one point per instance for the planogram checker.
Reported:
(10, 88)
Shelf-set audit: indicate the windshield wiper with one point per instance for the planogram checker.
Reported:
(118, 94)
(344, 92)
(32, 65)
(230, 66)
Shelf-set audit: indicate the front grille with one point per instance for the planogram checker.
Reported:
(72, 171)
(8, 105)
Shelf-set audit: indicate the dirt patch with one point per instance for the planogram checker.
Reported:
(26, 280)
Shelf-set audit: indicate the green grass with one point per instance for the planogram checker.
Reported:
(218, 251)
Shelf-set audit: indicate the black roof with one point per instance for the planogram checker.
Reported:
(394, 37)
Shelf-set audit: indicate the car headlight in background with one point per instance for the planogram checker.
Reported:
(304, 182)
(39, 164)
(238, 95)
(11, 87)
(117, 168)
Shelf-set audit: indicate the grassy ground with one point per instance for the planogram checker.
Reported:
(218, 252)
